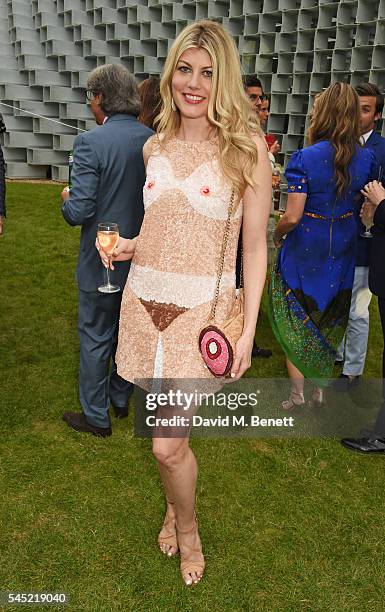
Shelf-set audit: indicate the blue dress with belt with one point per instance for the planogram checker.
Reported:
(312, 278)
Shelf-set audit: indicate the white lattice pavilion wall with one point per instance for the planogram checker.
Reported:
(48, 47)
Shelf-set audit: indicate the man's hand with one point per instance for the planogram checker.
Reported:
(275, 148)
(374, 192)
(1, 224)
(65, 194)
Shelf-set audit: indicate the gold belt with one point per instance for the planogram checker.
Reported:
(315, 216)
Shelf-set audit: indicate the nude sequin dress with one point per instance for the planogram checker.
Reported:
(171, 283)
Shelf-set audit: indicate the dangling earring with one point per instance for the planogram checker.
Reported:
(173, 106)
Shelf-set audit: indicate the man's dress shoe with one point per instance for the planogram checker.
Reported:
(343, 383)
(365, 445)
(120, 412)
(78, 422)
(260, 352)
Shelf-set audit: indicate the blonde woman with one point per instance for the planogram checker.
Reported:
(207, 145)
(312, 281)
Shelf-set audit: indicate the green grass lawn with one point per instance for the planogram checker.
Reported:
(287, 525)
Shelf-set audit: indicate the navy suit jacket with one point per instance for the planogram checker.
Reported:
(376, 143)
(107, 179)
(377, 253)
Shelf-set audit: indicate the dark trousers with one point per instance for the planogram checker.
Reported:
(238, 262)
(99, 383)
(379, 427)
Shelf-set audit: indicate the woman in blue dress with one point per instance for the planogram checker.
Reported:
(311, 282)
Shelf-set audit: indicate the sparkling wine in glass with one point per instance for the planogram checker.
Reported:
(108, 237)
(367, 220)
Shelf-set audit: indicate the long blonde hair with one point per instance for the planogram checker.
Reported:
(337, 118)
(229, 109)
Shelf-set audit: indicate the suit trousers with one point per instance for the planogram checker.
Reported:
(99, 382)
(379, 427)
(352, 350)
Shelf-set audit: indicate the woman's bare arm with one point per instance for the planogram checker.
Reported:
(291, 217)
(256, 210)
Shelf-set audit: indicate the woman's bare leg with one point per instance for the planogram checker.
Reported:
(168, 543)
(296, 377)
(179, 470)
(297, 383)
(317, 397)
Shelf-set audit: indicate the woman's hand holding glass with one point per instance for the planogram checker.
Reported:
(124, 251)
(107, 237)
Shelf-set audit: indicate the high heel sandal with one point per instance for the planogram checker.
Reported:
(191, 567)
(317, 399)
(167, 536)
(290, 404)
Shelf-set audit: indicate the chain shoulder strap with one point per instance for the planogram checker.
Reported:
(222, 257)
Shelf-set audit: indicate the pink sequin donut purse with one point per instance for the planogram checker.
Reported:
(217, 340)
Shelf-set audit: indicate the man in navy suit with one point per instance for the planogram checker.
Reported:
(352, 351)
(373, 440)
(107, 186)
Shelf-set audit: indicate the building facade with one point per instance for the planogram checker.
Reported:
(48, 48)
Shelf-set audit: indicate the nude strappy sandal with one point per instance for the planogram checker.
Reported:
(167, 536)
(317, 398)
(189, 566)
(290, 404)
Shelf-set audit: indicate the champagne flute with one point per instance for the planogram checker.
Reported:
(108, 237)
(367, 219)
